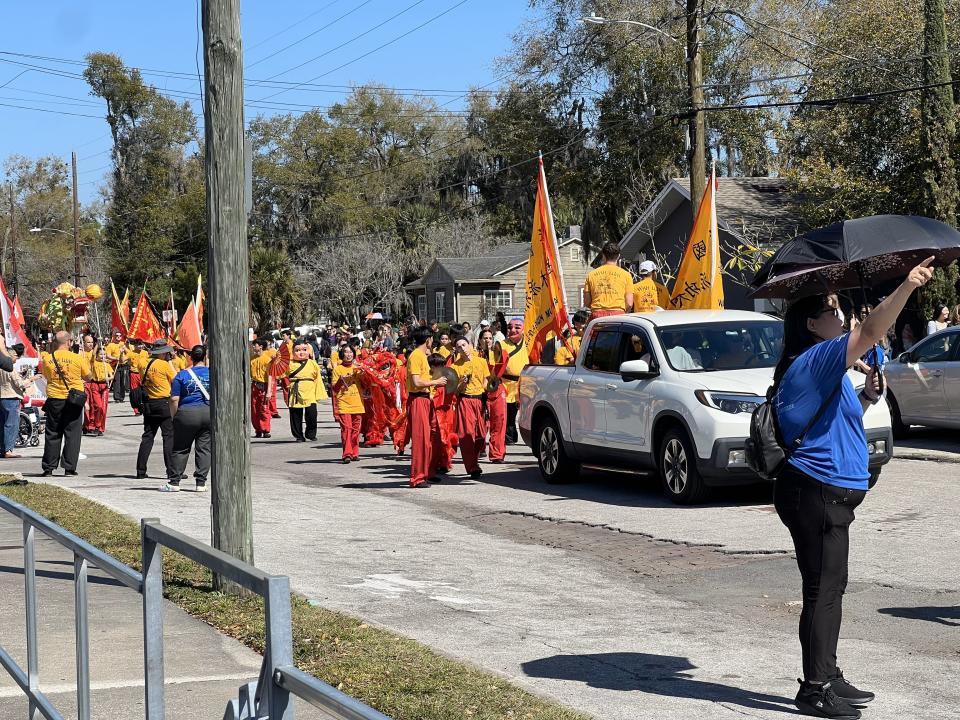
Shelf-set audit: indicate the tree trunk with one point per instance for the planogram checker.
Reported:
(937, 121)
(229, 280)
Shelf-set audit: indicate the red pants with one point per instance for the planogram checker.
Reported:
(135, 381)
(260, 413)
(350, 434)
(95, 412)
(272, 397)
(497, 407)
(285, 387)
(426, 447)
(594, 314)
(472, 431)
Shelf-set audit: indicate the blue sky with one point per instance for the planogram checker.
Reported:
(452, 52)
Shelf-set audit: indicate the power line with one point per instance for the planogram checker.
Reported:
(291, 27)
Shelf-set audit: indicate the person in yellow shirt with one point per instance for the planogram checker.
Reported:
(64, 372)
(181, 361)
(157, 373)
(471, 428)
(426, 446)
(261, 384)
(346, 382)
(608, 289)
(97, 367)
(304, 389)
(121, 367)
(567, 356)
(649, 295)
(134, 354)
(445, 347)
(513, 353)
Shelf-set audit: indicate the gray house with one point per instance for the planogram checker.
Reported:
(457, 289)
(755, 210)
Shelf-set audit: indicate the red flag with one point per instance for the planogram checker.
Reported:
(199, 305)
(188, 334)
(145, 324)
(119, 312)
(13, 323)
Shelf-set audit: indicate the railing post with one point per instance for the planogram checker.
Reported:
(30, 603)
(279, 648)
(83, 636)
(152, 623)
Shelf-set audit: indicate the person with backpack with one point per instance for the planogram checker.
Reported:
(156, 375)
(190, 408)
(824, 478)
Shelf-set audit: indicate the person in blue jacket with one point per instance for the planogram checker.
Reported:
(826, 478)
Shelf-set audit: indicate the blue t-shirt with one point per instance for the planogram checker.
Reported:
(184, 387)
(834, 451)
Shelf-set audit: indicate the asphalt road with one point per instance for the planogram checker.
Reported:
(599, 593)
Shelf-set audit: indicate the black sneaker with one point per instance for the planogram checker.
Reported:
(845, 691)
(822, 701)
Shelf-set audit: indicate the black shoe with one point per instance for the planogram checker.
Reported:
(346, 461)
(443, 471)
(46, 473)
(70, 472)
(822, 701)
(845, 691)
(265, 435)
(497, 462)
(311, 439)
(258, 435)
(141, 476)
(301, 439)
(476, 474)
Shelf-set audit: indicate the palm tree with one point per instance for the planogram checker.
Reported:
(274, 293)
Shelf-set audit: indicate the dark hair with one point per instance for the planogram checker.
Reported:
(436, 360)
(797, 338)
(457, 338)
(350, 349)
(198, 353)
(581, 317)
(420, 335)
(18, 349)
(262, 342)
(610, 251)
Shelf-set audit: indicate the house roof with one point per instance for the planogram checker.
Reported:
(756, 207)
(486, 268)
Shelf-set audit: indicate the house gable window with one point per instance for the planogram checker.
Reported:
(499, 299)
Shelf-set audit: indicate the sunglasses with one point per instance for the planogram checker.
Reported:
(833, 311)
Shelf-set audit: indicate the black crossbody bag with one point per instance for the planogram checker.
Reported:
(74, 397)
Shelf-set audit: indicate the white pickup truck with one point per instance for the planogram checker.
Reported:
(670, 392)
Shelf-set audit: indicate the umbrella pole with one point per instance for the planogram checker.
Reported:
(877, 367)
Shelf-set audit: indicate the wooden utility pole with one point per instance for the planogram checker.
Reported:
(232, 526)
(698, 125)
(13, 241)
(76, 224)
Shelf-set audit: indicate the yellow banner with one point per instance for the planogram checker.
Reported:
(545, 309)
(699, 284)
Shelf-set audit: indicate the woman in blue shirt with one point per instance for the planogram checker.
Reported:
(827, 477)
(190, 407)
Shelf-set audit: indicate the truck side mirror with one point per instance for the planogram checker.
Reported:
(637, 370)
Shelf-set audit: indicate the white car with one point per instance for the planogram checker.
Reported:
(670, 392)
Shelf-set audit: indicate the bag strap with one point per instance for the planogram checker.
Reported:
(795, 445)
(63, 379)
(200, 387)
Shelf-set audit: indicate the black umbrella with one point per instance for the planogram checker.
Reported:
(855, 253)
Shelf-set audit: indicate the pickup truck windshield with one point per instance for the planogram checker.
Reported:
(722, 346)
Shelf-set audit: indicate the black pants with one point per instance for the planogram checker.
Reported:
(121, 383)
(818, 517)
(191, 426)
(512, 435)
(64, 426)
(156, 416)
(297, 416)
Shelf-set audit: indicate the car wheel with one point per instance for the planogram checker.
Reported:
(900, 429)
(874, 476)
(678, 469)
(555, 466)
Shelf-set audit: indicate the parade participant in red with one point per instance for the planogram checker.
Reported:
(399, 427)
(98, 368)
(473, 371)
(445, 410)
(425, 445)
(513, 359)
(346, 381)
(496, 398)
(261, 381)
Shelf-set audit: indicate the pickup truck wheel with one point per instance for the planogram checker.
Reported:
(555, 466)
(678, 469)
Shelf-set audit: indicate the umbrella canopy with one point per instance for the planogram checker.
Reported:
(855, 253)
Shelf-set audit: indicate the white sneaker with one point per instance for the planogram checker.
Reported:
(169, 488)
(201, 488)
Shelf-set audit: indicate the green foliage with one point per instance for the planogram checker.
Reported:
(275, 297)
(940, 291)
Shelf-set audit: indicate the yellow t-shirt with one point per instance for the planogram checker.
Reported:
(304, 381)
(260, 366)
(71, 364)
(113, 350)
(135, 357)
(608, 286)
(479, 371)
(180, 362)
(566, 357)
(97, 370)
(417, 364)
(346, 389)
(648, 294)
(334, 358)
(515, 365)
(156, 382)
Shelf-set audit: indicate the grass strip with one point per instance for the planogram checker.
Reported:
(394, 674)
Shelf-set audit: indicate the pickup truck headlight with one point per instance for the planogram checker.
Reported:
(733, 403)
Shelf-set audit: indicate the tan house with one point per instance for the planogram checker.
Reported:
(472, 289)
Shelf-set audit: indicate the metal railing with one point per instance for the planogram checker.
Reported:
(269, 697)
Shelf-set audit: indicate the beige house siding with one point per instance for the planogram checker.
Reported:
(575, 269)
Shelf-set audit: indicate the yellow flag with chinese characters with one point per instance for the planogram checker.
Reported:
(699, 284)
(545, 309)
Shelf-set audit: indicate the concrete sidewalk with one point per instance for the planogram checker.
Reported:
(204, 669)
